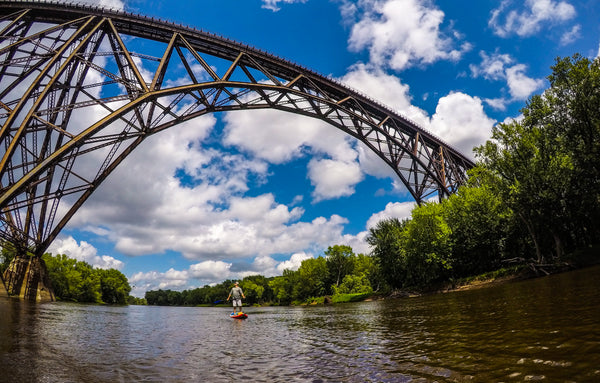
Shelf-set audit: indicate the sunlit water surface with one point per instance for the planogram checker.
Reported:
(546, 329)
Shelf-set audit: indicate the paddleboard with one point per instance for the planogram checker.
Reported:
(239, 315)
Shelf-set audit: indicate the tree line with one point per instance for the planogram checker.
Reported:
(533, 199)
(339, 273)
(78, 281)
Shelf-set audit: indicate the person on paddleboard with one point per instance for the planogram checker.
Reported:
(237, 294)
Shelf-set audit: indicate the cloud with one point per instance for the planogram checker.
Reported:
(279, 137)
(333, 179)
(145, 209)
(114, 4)
(210, 272)
(571, 35)
(535, 15)
(521, 86)
(492, 67)
(402, 33)
(274, 4)
(293, 263)
(85, 252)
(461, 120)
(400, 210)
(153, 280)
(373, 165)
(387, 89)
(501, 67)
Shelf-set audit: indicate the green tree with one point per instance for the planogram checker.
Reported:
(574, 114)
(73, 280)
(367, 266)
(546, 165)
(89, 288)
(427, 246)
(7, 254)
(385, 240)
(340, 262)
(354, 284)
(114, 286)
(311, 279)
(283, 286)
(479, 223)
(256, 288)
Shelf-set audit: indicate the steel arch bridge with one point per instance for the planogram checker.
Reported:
(61, 64)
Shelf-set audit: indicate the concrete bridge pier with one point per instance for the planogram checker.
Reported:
(3, 291)
(27, 278)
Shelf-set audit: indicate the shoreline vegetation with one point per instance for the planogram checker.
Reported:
(515, 273)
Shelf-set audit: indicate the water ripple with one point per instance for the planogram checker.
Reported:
(547, 329)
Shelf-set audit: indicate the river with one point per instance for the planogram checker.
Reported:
(545, 329)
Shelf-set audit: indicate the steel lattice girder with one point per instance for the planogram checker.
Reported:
(58, 62)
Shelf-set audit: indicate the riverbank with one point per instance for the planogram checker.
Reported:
(522, 271)
(579, 260)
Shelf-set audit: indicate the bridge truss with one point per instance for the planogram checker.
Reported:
(61, 64)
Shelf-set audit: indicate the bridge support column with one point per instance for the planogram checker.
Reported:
(27, 278)
(3, 290)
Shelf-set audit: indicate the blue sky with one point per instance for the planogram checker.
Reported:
(241, 193)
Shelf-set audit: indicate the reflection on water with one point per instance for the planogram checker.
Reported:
(546, 329)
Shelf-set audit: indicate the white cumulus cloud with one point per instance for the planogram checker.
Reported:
(83, 251)
(403, 33)
(274, 4)
(514, 17)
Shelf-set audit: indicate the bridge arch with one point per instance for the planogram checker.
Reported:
(58, 62)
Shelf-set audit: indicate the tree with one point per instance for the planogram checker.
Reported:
(385, 239)
(427, 246)
(546, 165)
(283, 286)
(354, 284)
(114, 286)
(311, 279)
(340, 262)
(574, 100)
(7, 254)
(367, 266)
(479, 224)
(78, 281)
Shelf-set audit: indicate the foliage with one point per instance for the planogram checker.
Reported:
(340, 262)
(311, 278)
(545, 166)
(114, 286)
(77, 281)
(354, 284)
(131, 300)
(427, 246)
(535, 193)
(385, 239)
(345, 298)
(310, 283)
(7, 254)
(478, 223)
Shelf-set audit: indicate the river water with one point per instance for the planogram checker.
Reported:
(546, 329)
